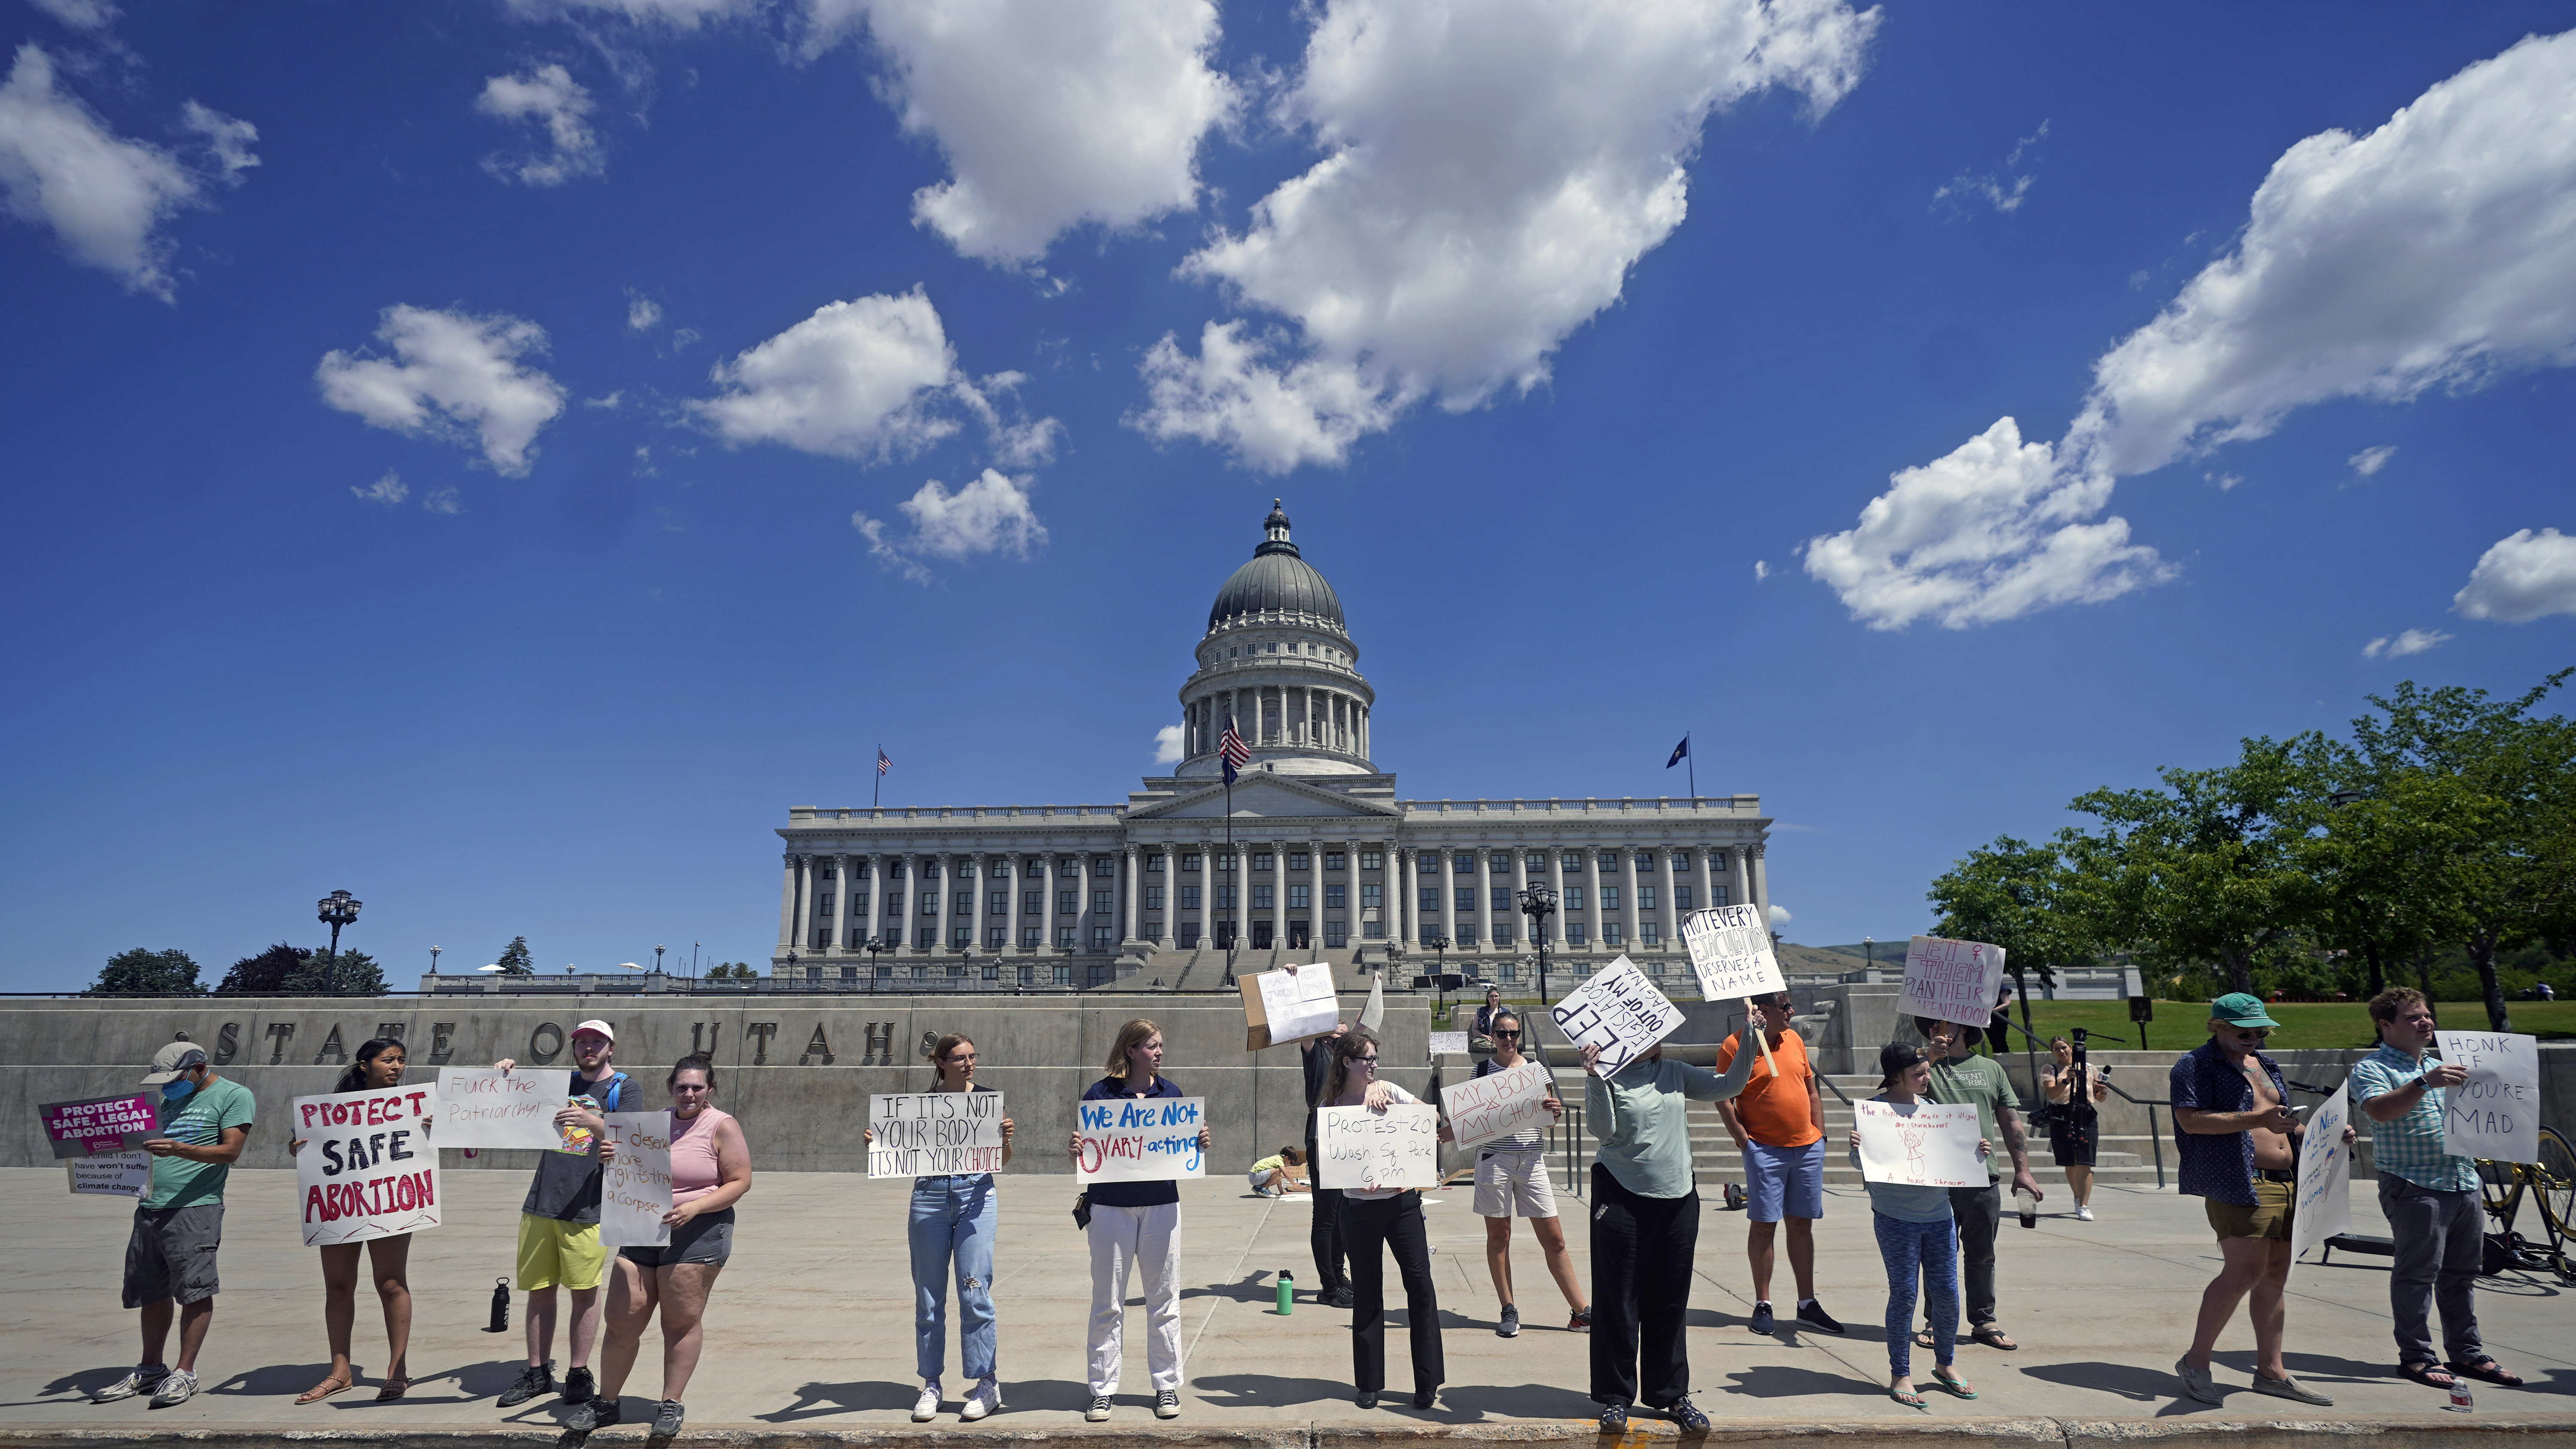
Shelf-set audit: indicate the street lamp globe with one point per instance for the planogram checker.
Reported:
(336, 910)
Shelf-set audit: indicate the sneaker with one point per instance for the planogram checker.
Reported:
(594, 1412)
(2280, 1388)
(143, 1380)
(2083, 1214)
(986, 1397)
(1167, 1404)
(1813, 1314)
(1614, 1419)
(1686, 1414)
(177, 1387)
(1098, 1413)
(579, 1386)
(2196, 1382)
(1426, 1398)
(1341, 1297)
(1510, 1327)
(1365, 1398)
(1581, 1322)
(926, 1408)
(667, 1417)
(1762, 1322)
(533, 1380)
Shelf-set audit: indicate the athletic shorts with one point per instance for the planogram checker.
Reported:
(171, 1254)
(1785, 1181)
(1514, 1184)
(706, 1238)
(2269, 1217)
(553, 1252)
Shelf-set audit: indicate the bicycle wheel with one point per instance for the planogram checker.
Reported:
(2500, 1188)
(2557, 1180)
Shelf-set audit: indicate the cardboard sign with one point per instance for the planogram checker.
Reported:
(1358, 1148)
(1619, 1011)
(482, 1107)
(366, 1169)
(933, 1134)
(1448, 1041)
(1951, 980)
(1153, 1139)
(1730, 952)
(99, 1124)
(635, 1182)
(2323, 1207)
(2496, 1112)
(1930, 1145)
(1285, 1006)
(1497, 1104)
(110, 1174)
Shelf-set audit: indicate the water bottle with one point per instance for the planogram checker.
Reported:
(500, 1306)
(2460, 1402)
(1287, 1292)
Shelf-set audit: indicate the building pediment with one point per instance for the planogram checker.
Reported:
(1264, 796)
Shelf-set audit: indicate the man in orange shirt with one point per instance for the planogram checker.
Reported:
(1779, 1125)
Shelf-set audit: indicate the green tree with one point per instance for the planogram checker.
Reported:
(265, 973)
(350, 973)
(515, 960)
(148, 973)
(2008, 894)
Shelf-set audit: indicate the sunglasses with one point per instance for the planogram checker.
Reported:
(2258, 1033)
(1498, 1036)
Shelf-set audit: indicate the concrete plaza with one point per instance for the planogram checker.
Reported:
(809, 1336)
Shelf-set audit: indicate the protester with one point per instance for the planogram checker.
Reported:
(2074, 1136)
(377, 1064)
(1324, 1228)
(1962, 1079)
(179, 1225)
(1481, 1039)
(1916, 1239)
(1512, 1177)
(1779, 1126)
(559, 1222)
(2428, 1195)
(710, 1171)
(953, 1220)
(1270, 1176)
(1645, 1226)
(2239, 1148)
(1379, 1219)
(1135, 1225)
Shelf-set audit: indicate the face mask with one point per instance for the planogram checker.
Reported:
(176, 1092)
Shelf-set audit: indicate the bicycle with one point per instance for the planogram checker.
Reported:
(2552, 1183)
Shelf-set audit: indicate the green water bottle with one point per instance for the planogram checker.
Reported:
(1287, 1292)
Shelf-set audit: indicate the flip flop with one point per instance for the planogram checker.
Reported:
(1923, 1338)
(1905, 1397)
(325, 1389)
(2486, 1371)
(1993, 1337)
(2430, 1375)
(1957, 1388)
(393, 1388)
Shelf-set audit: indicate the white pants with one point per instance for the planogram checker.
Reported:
(1135, 1237)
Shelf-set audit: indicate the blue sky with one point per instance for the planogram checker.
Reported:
(481, 455)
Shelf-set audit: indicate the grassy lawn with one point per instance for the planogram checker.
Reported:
(2181, 1025)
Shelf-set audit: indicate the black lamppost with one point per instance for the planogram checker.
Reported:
(433, 959)
(1439, 977)
(1538, 903)
(336, 910)
(875, 944)
(657, 960)
(791, 967)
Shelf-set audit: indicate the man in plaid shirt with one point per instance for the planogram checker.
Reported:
(2430, 1197)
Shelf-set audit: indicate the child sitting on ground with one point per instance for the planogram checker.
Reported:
(1270, 1176)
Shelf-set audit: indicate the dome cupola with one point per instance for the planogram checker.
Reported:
(1278, 661)
(1276, 581)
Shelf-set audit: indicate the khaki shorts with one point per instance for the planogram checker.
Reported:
(552, 1251)
(2269, 1217)
(1514, 1184)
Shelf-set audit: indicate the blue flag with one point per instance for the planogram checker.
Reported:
(1680, 753)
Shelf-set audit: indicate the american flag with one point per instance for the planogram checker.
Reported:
(883, 764)
(1232, 750)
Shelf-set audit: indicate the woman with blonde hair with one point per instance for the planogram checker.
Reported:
(1134, 1225)
(952, 1224)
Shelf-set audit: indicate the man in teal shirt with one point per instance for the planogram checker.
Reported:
(170, 1258)
(1960, 1079)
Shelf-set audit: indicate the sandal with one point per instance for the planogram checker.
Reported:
(1993, 1337)
(2431, 1375)
(1923, 1338)
(393, 1388)
(2487, 1371)
(1907, 1397)
(325, 1389)
(1952, 1385)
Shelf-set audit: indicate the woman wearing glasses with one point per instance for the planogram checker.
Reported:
(1372, 1217)
(951, 1229)
(1511, 1177)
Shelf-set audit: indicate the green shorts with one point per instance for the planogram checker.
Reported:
(2269, 1217)
(553, 1251)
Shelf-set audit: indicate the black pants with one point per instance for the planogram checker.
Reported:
(1396, 1223)
(1326, 1235)
(1642, 1251)
(1980, 1211)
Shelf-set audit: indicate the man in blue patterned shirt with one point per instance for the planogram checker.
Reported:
(2429, 1196)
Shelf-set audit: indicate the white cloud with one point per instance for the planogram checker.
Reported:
(677, 14)
(2371, 460)
(2413, 641)
(1779, 917)
(1167, 745)
(2525, 576)
(1761, 570)
(561, 106)
(2431, 253)
(91, 15)
(388, 490)
(455, 371)
(643, 314)
(991, 514)
(1997, 188)
(443, 501)
(227, 140)
(104, 196)
(1052, 113)
(1490, 172)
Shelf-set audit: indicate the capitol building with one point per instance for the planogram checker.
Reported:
(1326, 860)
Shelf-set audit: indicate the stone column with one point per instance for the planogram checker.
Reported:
(1315, 892)
(1279, 863)
(1707, 877)
(1762, 883)
(1018, 876)
(1484, 898)
(1520, 883)
(1556, 882)
(787, 903)
(1238, 871)
(1398, 883)
(804, 937)
(1449, 893)
(1136, 887)
(1739, 873)
(1672, 915)
(1046, 901)
(1592, 896)
(1628, 905)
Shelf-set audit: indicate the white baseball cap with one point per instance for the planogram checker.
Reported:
(603, 1028)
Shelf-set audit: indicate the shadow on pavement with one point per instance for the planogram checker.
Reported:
(1779, 1381)
(289, 1379)
(1058, 1395)
(2137, 1385)
(815, 1400)
(1263, 1391)
(1516, 1401)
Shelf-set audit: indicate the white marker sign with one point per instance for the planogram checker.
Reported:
(1299, 1004)
(1730, 952)
(1448, 1041)
(2323, 1207)
(484, 1107)
(1619, 1011)
(933, 1134)
(1922, 1144)
(1150, 1139)
(2496, 1112)
(635, 1183)
(110, 1174)
(1399, 1147)
(366, 1169)
(1951, 980)
(1497, 1104)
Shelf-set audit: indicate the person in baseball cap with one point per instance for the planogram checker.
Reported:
(170, 1256)
(2242, 1008)
(559, 1221)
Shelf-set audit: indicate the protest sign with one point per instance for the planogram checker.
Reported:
(1951, 980)
(1290, 1004)
(110, 1174)
(1730, 952)
(1497, 1104)
(933, 1134)
(365, 1170)
(1448, 1041)
(99, 1124)
(1619, 1011)
(1152, 1139)
(1399, 1147)
(635, 1181)
(1931, 1145)
(2323, 1207)
(484, 1107)
(2496, 1112)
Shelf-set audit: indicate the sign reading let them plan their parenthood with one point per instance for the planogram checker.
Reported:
(2323, 1207)
(2495, 1114)
(366, 1169)
(1399, 1147)
(1730, 952)
(933, 1134)
(1496, 1104)
(635, 1182)
(1951, 980)
(1150, 1139)
(1619, 1011)
(101, 1124)
(1925, 1144)
(485, 1107)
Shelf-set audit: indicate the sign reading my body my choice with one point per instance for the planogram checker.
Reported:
(1150, 1139)
(366, 1169)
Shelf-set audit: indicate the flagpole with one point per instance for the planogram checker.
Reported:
(876, 790)
(1694, 769)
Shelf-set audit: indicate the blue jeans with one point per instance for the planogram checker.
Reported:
(1927, 1249)
(952, 1221)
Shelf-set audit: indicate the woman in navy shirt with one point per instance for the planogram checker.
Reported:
(1135, 1225)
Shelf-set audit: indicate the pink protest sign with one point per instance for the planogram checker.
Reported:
(101, 1124)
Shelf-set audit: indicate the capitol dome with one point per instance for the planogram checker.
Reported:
(1276, 581)
(1278, 662)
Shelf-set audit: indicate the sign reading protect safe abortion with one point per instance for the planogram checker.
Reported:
(2495, 1114)
(933, 1134)
(366, 1169)
(1150, 1139)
